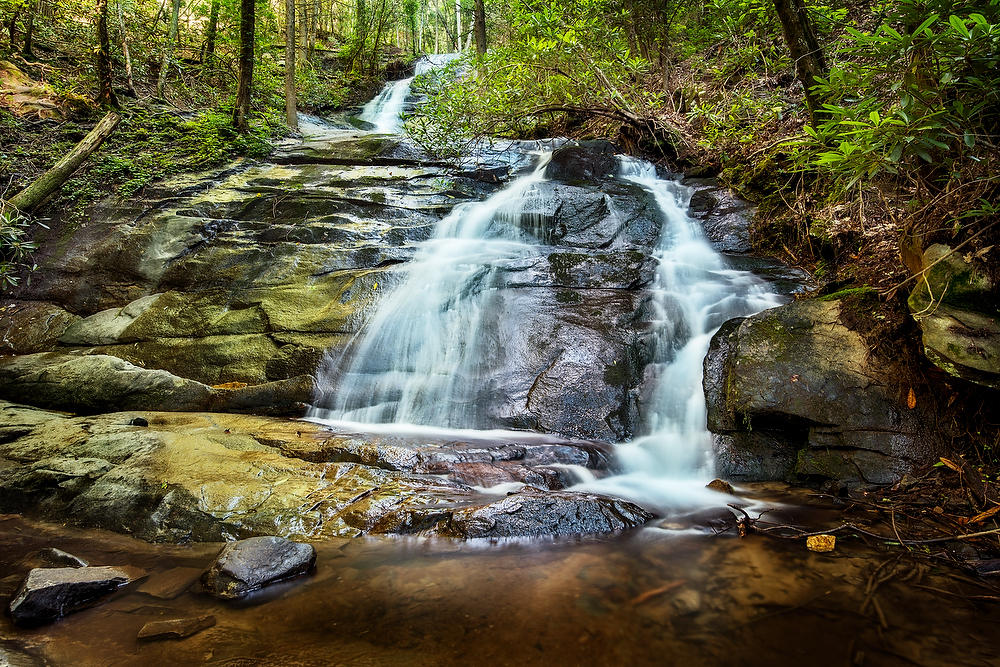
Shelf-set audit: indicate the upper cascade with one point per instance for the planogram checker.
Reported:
(385, 110)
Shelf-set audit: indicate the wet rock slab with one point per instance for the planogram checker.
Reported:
(248, 565)
(48, 594)
(532, 514)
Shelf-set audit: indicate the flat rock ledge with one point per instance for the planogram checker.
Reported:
(50, 593)
(91, 384)
(214, 477)
(248, 565)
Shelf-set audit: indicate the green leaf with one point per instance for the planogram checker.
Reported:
(959, 25)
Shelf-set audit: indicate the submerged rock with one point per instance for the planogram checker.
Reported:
(50, 593)
(958, 309)
(792, 392)
(530, 513)
(52, 557)
(248, 565)
(177, 628)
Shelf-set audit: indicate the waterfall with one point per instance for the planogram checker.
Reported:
(385, 110)
(426, 355)
(694, 292)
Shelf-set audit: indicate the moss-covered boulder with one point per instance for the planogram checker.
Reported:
(958, 309)
(792, 392)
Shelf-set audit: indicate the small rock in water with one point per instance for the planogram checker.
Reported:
(720, 485)
(50, 593)
(821, 543)
(177, 628)
(139, 421)
(243, 567)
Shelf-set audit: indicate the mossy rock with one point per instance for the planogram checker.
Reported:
(958, 310)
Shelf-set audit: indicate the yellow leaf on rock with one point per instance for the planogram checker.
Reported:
(911, 399)
(821, 543)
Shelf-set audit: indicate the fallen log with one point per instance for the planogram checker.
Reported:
(33, 195)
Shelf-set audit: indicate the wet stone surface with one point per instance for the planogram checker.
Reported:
(48, 594)
(248, 565)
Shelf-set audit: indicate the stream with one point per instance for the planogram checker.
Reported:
(515, 328)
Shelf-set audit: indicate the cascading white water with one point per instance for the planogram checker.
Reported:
(385, 110)
(424, 356)
(694, 292)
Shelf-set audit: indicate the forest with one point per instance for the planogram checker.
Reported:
(528, 326)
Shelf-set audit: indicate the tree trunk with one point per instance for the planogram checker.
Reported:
(293, 121)
(125, 51)
(479, 22)
(247, 25)
(210, 32)
(12, 29)
(29, 28)
(458, 25)
(50, 181)
(804, 49)
(106, 93)
(168, 48)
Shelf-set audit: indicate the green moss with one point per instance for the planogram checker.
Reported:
(850, 293)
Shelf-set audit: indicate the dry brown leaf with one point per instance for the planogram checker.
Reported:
(951, 464)
(982, 516)
(911, 399)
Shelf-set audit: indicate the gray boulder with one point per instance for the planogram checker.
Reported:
(792, 392)
(583, 161)
(531, 513)
(48, 594)
(248, 565)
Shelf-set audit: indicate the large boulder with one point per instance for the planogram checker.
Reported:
(958, 309)
(245, 566)
(584, 161)
(48, 594)
(793, 392)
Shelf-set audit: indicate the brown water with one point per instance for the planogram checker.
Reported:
(646, 597)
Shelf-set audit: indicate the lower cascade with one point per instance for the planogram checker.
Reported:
(429, 354)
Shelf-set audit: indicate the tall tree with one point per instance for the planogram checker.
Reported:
(210, 32)
(479, 25)
(29, 28)
(293, 121)
(804, 49)
(458, 25)
(168, 48)
(106, 93)
(241, 111)
(126, 52)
